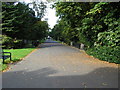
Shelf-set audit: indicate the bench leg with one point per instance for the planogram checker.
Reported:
(10, 57)
(3, 60)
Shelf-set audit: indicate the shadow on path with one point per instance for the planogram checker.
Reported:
(50, 43)
(46, 78)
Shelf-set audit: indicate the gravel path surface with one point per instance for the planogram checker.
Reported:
(54, 65)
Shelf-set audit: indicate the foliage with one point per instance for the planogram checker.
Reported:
(41, 41)
(8, 42)
(109, 54)
(40, 8)
(19, 24)
(17, 20)
(97, 25)
(110, 39)
(40, 29)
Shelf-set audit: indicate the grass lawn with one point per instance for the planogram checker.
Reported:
(17, 54)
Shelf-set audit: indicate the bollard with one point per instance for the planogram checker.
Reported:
(71, 43)
(82, 46)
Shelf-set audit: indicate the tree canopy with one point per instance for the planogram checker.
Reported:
(95, 24)
(19, 22)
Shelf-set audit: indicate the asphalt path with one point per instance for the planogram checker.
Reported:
(54, 65)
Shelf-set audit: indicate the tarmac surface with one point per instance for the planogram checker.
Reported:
(54, 65)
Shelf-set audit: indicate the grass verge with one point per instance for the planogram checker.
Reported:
(17, 55)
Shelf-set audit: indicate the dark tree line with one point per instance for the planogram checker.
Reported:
(20, 25)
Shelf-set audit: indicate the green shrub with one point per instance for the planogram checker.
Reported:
(41, 41)
(109, 54)
(7, 42)
(18, 44)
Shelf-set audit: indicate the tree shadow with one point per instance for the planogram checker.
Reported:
(50, 43)
(46, 45)
(48, 77)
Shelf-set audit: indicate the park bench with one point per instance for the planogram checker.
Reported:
(6, 55)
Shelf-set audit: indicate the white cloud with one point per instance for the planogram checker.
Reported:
(52, 19)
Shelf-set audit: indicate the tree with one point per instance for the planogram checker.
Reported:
(39, 7)
(17, 20)
(97, 25)
(21, 24)
(40, 30)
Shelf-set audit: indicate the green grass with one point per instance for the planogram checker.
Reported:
(3, 67)
(17, 54)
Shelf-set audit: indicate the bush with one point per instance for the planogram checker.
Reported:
(109, 54)
(8, 43)
(18, 44)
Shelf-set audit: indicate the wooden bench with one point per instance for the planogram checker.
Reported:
(4, 56)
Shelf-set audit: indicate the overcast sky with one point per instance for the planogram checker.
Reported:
(50, 14)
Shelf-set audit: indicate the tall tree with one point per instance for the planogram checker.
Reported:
(21, 24)
(39, 7)
(17, 20)
(40, 30)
